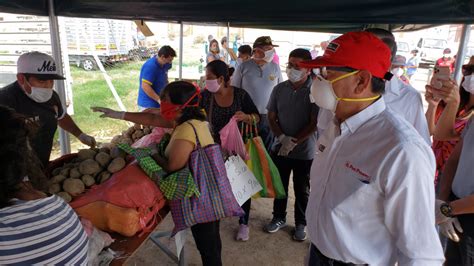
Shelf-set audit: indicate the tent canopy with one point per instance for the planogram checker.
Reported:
(304, 15)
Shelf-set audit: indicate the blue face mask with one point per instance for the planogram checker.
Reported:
(168, 66)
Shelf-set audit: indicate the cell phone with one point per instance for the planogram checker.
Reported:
(440, 74)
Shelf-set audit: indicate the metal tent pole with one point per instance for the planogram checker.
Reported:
(60, 89)
(228, 40)
(181, 50)
(466, 30)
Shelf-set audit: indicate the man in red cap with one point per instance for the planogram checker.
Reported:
(372, 195)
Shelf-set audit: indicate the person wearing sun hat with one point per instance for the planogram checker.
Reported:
(372, 195)
(258, 76)
(32, 95)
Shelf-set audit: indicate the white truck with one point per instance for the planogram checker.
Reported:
(431, 50)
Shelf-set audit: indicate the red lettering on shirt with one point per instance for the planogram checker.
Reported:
(366, 178)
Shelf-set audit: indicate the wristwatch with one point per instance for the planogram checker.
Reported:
(446, 209)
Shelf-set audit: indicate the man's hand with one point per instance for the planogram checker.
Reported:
(287, 145)
(109, 113)
(448, 229)
(88, 140)
(440, 217)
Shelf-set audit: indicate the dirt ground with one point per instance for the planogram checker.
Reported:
(262, 248)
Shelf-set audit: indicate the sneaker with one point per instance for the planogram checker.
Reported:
(299, 233)
(243, 234)
(275, 225)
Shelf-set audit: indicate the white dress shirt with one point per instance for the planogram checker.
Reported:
(372, 192)
(406, 101)
(401, 98)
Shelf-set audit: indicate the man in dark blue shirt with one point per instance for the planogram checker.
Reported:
(154, 77)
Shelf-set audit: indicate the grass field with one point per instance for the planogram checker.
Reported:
(90, 89)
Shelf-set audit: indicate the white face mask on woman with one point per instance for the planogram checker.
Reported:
(468, 83)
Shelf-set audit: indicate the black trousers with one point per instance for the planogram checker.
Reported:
(246, 207)
(316, 258)
(460, 253)
(208, 242)
(301, 170)
(265, 132)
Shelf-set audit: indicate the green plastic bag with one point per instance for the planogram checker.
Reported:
(263, 168)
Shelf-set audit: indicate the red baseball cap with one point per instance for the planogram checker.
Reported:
(359, 50)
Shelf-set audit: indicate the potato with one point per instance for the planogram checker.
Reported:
(139, 134)
(129, 132)
(54, 188)
(66, 197)
(89, 167)
(88, 180)
(116, 139)
(116, 152)
(146, 131)
(65, 171)
(56, 171)
(105, 150)
(57, 179)
(137, 126)
(74, 173)
(85, 154)
(102, 158)
(116, 165)
(104, 176)
(73, 186)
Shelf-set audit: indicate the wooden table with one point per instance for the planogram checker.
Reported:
(127, 246)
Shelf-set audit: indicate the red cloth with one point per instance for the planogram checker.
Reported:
(443, 149)
(449, 62)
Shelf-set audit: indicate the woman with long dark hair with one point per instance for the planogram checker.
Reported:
(214, 52)
(180, 109)
(221, 101)
(449, 109)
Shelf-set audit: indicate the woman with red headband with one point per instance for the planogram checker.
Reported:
(180, 109)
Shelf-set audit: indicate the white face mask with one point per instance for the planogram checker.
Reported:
(295, 75)
(322, 93)
(397, 71)
(40, 95)
(468, 84)
(269, 55)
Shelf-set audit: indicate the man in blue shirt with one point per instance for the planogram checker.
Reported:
(154, 77)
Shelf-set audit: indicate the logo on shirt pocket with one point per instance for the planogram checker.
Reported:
(272, 77)
(361, 175)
